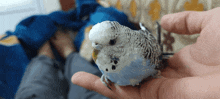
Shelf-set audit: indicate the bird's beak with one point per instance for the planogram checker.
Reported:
(96, 46)
(95, 54)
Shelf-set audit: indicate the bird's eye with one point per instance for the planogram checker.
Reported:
(96, 43)
(112, 42)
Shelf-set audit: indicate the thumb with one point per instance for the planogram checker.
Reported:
(188, 22)
(206, 49)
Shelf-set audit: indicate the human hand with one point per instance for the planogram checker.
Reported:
(193, 72)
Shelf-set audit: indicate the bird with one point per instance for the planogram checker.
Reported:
(124, 56)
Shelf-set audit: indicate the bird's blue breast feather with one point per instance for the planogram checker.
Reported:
(136, 70)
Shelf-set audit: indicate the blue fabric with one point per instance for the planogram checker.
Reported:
(12, 66)
(33, 31)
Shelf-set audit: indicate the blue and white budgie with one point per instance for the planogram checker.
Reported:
(124, 56)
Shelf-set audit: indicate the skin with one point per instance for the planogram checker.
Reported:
(46, 50)
(62, 42)
(192, 73)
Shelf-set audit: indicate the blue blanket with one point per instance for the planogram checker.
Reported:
(19, 47)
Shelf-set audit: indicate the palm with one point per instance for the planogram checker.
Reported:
(194, 66)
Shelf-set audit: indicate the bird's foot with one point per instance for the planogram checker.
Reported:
(106, 81)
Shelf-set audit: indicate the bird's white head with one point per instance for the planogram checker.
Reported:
(102, 34)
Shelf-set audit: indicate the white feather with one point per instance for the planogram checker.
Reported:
(100, 32)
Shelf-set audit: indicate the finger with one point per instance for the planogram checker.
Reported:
(188, 22)
(126, 92)
(91, 82)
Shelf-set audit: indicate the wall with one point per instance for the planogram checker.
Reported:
(13, 11)
(51, 5)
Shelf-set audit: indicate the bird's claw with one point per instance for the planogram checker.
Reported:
(105, 81)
